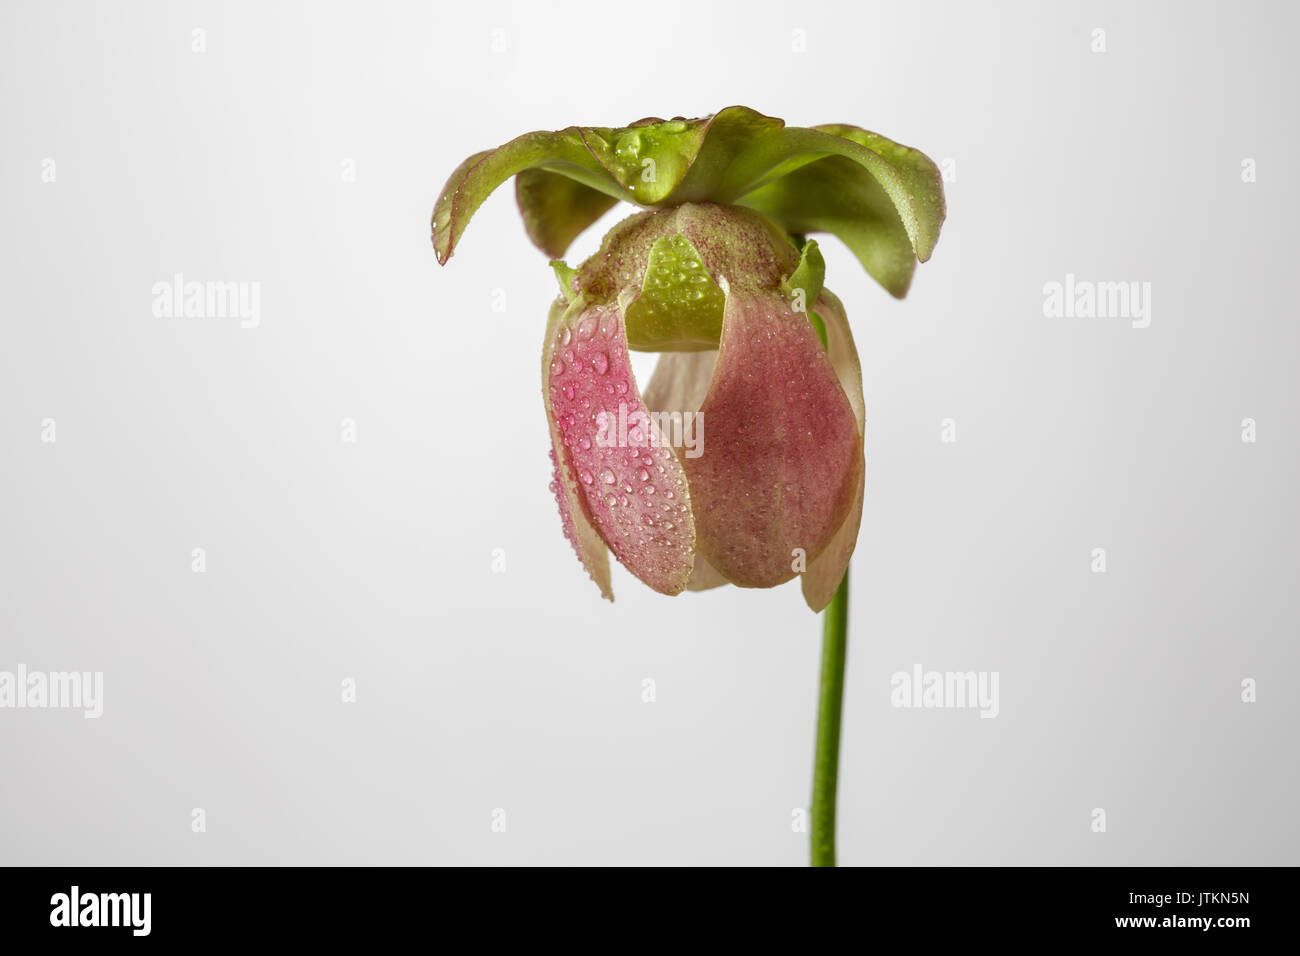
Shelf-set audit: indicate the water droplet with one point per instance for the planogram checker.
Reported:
(586, 328)
(565, 336)
(585, 444)
(607, 476)
(643, 475)
(611, 501)
(600, 362)
(586, 477)
(557, 368)
(569, 391)
(649, 489)
(609, 323)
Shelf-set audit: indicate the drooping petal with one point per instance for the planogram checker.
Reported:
(678, 387)
(781, 447)
(885, 200)
(631, 486)
(889, 221)
(827, 570)
(586, 542)
(556, 209)
(475, 179)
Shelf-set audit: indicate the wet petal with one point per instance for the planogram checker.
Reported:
(586, 542)
(827, 570)
(781, 449)
(631, 486)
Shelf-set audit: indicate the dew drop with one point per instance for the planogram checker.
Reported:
(643, 475)
(600, 362)
(607, 476)
(565, 336)
(586, 477)
(586, 328)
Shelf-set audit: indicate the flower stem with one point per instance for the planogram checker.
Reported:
(835, 624)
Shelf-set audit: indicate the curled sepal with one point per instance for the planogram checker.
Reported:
(557, 209)
(805, 284)
(889, 221)
(474, 180)
(883, 199)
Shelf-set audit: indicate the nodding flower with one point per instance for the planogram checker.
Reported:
(741, 461)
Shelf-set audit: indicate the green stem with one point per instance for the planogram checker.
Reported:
(835, 625)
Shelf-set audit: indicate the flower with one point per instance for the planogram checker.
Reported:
(742, 459)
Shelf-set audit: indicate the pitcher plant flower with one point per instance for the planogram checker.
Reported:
(741, 461)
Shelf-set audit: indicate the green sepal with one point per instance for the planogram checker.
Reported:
(884, 200)
(564, 276)
(805, 284)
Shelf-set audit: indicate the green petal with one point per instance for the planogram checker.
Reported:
(564, 276)
(884, 201)
(805, 283)
(680, 307)
(563, 152)
(556, 209)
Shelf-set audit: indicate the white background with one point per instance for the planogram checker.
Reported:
(522, 691)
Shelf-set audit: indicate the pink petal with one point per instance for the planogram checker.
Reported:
(827, 570)
(782, 452)
(586, 542)
(631, 487)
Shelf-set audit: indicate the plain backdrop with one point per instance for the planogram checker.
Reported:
(302, 149)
